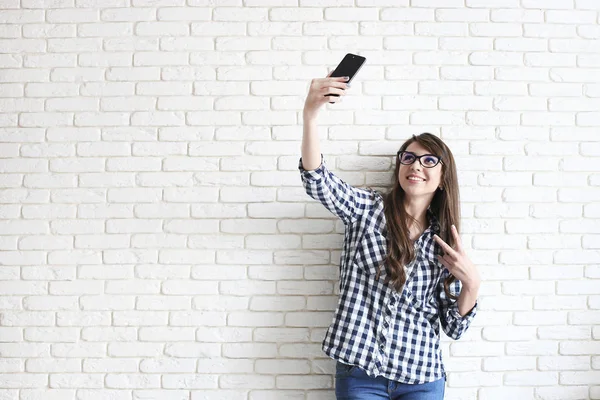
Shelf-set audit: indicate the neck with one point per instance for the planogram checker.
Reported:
(417, 208)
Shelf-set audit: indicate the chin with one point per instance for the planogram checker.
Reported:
(418, 191)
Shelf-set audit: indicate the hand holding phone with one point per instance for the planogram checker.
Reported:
(349, 66)
(317, 92)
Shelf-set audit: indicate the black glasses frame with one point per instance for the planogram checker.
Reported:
(400, 153)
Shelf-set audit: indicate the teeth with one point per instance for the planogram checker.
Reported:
(415, 179)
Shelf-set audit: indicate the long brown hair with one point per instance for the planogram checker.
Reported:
(444, 205)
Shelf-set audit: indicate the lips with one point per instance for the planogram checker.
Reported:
(415, 178)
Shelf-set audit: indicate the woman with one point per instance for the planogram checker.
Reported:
(403, 270)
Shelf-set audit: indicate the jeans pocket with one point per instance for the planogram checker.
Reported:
(342, 369)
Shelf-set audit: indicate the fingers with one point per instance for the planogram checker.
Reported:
(319, 88)
(343, 78)
(337, 80)
(457, 243)
(333, 90)
(323, 85)
(446, 263)
(456, 238)
(336, 84)
(322, 95)
(329, 81)
(447, 249)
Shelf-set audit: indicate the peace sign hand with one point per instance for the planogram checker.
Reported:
(457, 261)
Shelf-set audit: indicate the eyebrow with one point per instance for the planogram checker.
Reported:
(426, 154)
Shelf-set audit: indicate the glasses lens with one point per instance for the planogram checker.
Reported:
(430, 161)
(407, 158)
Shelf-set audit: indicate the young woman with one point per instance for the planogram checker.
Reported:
(403, 270)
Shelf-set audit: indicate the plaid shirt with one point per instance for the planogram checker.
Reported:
(384, 332)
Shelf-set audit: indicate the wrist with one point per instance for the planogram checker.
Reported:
(309, 120)
(309, 116)
(471, 285)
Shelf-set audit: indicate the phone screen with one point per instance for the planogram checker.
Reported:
(349, 66)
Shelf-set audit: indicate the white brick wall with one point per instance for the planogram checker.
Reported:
(156, 241)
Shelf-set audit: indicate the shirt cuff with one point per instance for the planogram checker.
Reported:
(454, 312)
(313, 175)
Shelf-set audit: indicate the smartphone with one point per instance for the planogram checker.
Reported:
(349, 66)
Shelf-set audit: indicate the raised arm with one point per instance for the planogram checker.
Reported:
(311, 149)
(342, 199)
(456, 316)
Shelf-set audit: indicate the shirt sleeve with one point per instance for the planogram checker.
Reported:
(453, 324)
(342, 199)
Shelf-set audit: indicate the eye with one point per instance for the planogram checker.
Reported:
(407, 157)
(430, 160)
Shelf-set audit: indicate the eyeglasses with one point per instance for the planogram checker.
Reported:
(426, 160)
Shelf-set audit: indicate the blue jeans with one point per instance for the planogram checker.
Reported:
(352, 383)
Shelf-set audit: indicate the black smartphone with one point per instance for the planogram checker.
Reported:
(349, 66)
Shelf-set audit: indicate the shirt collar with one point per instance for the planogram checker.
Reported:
(434, 224)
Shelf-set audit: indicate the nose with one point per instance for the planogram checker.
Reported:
(416, 166)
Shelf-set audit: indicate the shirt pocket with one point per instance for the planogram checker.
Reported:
(423, 282)
(371, 253)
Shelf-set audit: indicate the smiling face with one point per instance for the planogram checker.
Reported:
(416, 180)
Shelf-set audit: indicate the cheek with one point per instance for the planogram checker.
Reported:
(433, 178)
(401, 173)
(436, 178)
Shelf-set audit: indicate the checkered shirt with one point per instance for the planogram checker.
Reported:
(384, 332)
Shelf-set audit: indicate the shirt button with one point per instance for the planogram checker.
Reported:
(381, 346)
